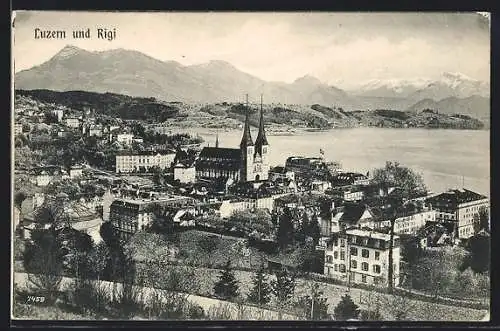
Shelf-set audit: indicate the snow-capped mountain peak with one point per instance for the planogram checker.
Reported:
(448, 84)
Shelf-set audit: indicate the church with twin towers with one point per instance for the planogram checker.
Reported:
(249, 163)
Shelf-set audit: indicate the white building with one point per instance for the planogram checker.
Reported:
(73, 122)
(42, 179)
(136, 162)
(75, 172)
(95, 130)
(18, 129)
(410, 224)
(59, 113)
(185, 173)
(461, 207)
(125, 138)
(361, 256)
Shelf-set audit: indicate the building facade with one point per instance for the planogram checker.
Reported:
(127, 215)
(126, 163)
(125, 138)
(73, 122)
(461, 207)
(361, 256)
(185, 173)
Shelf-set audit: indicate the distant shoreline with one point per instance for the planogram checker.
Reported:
(302, 131)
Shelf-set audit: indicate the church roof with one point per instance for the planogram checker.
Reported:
(246, 140)
(261, 136)
(218, 152)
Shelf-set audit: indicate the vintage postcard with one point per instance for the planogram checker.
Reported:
(251, 166)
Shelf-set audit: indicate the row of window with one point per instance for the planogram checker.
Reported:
(354, 265)
(359, 241)
(354, 252)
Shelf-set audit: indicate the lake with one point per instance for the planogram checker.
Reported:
(445, 158)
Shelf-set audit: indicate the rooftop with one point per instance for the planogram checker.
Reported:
(146, 153)
(457, 196)
(370, 234)
(218, 152)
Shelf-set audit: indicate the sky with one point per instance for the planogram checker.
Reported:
(344, 49)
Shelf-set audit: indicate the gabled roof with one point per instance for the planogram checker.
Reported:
(352, 212)
(219, 152)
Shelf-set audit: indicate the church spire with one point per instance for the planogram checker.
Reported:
(246, 140)
(261, 136)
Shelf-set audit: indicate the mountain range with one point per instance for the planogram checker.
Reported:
(133, 73)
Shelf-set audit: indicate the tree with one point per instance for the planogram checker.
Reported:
(396, 175)
(372, 301)
(285, 229)
(313, 305)
(410, 249)
(283, 286)
(42, 259)
(370, 315)
(482, 220)
(346, 309)
(314, 231)
(260, 293)
(99, 258)
(479, 247)
(19, 197)
(399, 306)
(302, 230)
(227, 285)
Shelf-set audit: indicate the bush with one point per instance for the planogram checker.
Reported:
(346, 309)
(370, 315)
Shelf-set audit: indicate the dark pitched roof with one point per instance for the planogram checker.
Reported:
(261, 136)
(352, 212)
(246, 140)
(456, 197)
(222, 153)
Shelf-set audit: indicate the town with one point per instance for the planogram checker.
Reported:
(128, 202)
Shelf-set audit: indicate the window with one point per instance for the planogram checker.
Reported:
(363, 278)
(335, 255)
(342, 243)
(364, 266)
(328, 270)
(353, 240)
(377, 255)
(342, 255)
(335, 267)
(354, 251)
(354, 264)
(342, 267)
(376, 268)
(328, 259)
(365, 253)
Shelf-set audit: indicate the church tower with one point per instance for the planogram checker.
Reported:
(247, 150)
(262, 148)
